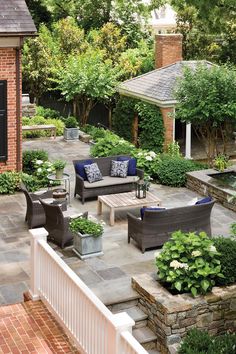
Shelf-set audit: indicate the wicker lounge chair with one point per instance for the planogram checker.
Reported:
(157, 226)
(35, 215)
(57, 223)
(108, 185)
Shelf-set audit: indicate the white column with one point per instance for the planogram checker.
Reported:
(188, 141)
(36, 235)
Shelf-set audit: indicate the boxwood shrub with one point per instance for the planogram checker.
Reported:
(227, 248)
(200, 342)
(29, 157)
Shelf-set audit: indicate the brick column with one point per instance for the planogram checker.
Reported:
(168, 119)
(8, 72)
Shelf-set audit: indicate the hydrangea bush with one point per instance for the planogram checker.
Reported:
(148, 161)
(189, 262)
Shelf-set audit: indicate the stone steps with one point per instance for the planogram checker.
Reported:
(145, 337)
(139, 317)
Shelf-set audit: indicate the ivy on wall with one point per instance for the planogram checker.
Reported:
(151, 127)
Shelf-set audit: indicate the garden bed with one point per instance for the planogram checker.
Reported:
(171, 316)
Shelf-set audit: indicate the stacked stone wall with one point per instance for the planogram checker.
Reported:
(172, 316)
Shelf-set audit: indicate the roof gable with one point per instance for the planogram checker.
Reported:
(157, 86)
(15, 18)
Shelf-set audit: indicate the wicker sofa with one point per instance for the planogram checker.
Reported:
(108, 185)
(157, 226)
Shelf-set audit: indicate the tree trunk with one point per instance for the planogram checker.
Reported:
(135, 130)
(109, 118)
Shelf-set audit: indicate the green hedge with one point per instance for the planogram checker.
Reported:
(123, 117)
(28, 158)
(227, 248)
(200, 342)
(38, 120)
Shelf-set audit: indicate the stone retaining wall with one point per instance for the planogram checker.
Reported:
(201, 183)
(28, 110)
(171, 316)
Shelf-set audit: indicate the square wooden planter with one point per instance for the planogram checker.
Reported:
(86, 246)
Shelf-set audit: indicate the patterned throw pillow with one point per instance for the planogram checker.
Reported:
(119, 168)
(93, 173)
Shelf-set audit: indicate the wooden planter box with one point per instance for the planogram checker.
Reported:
(71, 133)
(172, 316)
(86, 246)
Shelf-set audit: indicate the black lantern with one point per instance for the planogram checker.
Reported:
(140, 189)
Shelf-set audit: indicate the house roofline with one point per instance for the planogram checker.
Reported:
(18, 34)
(159, 103)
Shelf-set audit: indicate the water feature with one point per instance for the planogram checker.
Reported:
(227, 179)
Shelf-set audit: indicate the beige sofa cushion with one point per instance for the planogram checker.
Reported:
(111, 181)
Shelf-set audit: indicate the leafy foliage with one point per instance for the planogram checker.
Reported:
(9, 182)
(28, 158)
(86, 227)
(221, 162)
(110, 145)
(189, 262)
(148, 161)
(207, 99)
(151, 125)
(38, 120)
(172, 170)
(71, 122)
(173, 149)
(200, 342)
(47, 112)
(123, 117)
(227, 248)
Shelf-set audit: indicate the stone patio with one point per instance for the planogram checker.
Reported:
(109, 275)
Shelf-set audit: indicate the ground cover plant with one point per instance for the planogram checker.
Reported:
(38, 120)
(200, 342)
(189, 262)
(86, 227)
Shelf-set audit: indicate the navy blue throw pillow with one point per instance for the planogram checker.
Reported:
(204, 200)
(79, 168)
(132, 165)
(142, 210)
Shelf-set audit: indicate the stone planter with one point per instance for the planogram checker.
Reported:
(86, 246)
(171, 316)
(86, 138)
(71, 133)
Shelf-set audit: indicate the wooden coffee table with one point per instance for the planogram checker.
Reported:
(124, 200)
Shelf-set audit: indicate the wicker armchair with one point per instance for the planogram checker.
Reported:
(157, 226)
(35, 215)
(57, 223)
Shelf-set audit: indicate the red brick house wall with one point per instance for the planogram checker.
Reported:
(8, 72)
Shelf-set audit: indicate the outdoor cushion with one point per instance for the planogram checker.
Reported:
(79, 168)
(132, 165)
(119, 168)
(204, 200)
(111, 181)
(93, 173)
(142, 210)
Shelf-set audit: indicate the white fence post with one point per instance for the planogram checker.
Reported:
(123, 322)
(36, 235)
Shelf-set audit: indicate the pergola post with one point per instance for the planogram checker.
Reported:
(188, 141)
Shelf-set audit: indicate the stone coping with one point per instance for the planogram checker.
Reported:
(148, 285)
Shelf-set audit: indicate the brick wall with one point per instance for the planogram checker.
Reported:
(8, 72)
(168, 51)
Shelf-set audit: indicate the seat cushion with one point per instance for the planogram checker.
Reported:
(142, 210)
(132, 167)
(111, 181)
(119, 168)
(79, 168)
(204, 201)
(93, 173)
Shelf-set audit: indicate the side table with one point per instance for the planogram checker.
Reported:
(65, 179)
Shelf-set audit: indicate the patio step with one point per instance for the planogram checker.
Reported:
(153, 351)
(145, 337)
(139, 317)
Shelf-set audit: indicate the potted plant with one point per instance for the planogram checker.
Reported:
(59, 166)
(71, 130)
(87, 237)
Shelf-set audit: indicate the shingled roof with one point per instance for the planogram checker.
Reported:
(158, 85)
(15, 18)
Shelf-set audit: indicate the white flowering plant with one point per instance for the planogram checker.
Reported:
(189, 262)
(42, 170)
(148, 161)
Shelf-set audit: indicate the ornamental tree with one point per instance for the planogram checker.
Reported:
(86, 79)
(207, 99)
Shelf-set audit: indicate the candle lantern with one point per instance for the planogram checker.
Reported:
(140, 189)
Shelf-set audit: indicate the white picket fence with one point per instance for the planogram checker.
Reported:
(92, 327)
